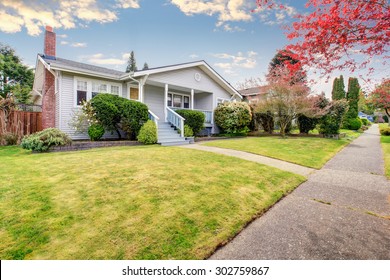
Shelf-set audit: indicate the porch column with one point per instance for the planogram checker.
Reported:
(165, 102)
(192, 99)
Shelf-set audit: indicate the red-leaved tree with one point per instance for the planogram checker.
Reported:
(381, 97)
(339, 34)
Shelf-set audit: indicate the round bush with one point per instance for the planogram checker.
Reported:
(194, 119)
(385, 131)
(188, 131)
(233, 117)
(306, 124)
(41, 141)
(96, 131)
(148, 133)
(353, 124)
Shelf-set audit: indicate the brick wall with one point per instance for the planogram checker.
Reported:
(48, 101)
(50, 42)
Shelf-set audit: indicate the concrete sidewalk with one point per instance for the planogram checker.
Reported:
(341, 212)
(283, 165)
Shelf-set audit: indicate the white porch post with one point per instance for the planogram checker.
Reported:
(192, 99)
(166, 102)
(140, 91)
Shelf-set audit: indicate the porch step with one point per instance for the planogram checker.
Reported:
(168, 136)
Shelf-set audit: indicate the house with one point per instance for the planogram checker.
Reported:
(60, 85)
(254, 94)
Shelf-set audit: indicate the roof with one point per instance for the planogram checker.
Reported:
(58, 63)
(260, 90)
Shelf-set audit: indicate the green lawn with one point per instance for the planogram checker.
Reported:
(311, 152)
(385, 140)
(143, 202)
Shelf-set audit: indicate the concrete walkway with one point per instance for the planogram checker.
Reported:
(341, 212)
(283, 165)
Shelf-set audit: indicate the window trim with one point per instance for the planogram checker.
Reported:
(182, 100)
(129, 86)
(89, 82)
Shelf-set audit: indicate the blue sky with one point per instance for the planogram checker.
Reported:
(235, 41)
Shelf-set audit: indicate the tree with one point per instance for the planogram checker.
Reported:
(381, 97)
(290, 61)
(13, 72)
(146, 66)
(332, 31)
(353, 98)
(131, 63)
(249, 83)
(338, 90)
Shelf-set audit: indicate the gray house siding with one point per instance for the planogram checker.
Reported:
(154, 99)
(203, 101)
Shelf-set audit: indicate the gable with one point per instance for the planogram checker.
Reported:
(193, 77)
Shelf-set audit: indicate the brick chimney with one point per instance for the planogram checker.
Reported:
(50, 42)
(48, 92)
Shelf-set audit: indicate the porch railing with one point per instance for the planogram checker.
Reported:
(176, 120)
(208, 115)
(153, 117)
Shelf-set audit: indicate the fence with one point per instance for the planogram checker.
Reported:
(19, 123)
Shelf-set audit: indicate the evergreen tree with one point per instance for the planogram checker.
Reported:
(13, 72)
(146, 66)
(289, 59)
(338, 90)
(353, 98)
(131, 63)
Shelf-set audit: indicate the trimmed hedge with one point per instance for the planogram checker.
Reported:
(41, 141)
(233, 117)
(148, 133)
(134, 115)
(96, 131)
(194, 119)
(353, 124)
(305, 124)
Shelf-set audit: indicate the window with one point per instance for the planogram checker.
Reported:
(81, 92)
(169, 100)
(177, 99)
(186, 102)
(98, 88)
(134, 93)
(115, 90)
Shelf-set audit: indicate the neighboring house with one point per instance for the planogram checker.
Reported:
(61, 85)
(254, 94)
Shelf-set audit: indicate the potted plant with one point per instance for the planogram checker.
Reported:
(189, 134)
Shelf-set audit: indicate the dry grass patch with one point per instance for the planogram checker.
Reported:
(129, 202)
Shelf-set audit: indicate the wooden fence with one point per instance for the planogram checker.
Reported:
(20, 123)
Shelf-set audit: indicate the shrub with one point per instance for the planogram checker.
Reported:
(385, 131)
(353, 124)
(233, 117)
(305, 124)
(188, 132)
(266, 120)
(365, 122)
(133, 115)
(148, 133)
(331, 122)
(194, 119)
(9, 139)
(43, 140)
(385, 118)
(96, 131)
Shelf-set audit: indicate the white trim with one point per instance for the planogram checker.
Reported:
(192, 99)
(89, 88)
(182, 95)
(165, 102)
(59, 101)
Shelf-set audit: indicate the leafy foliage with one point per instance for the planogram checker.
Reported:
(381, 96)
(194, 119)
(233, 117)
(43, 140)
(188, 131)
(353, 124)
(305, 124)
(265, 119)
(96, 131)
(148, 133)
(134, 115)
(331, 122)
(338, 90)
(353, 98)
(290, 61)
(385, 131)
(13, 72)
(330, 32)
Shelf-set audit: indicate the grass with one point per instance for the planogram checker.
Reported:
(144, 202)
(385, 142)
(310, 152)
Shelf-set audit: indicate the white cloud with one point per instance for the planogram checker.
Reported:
(233, 62)
(32, 15)
(276, 15)
(226, 10)
(125, 4)
(64, 43)
(100, 59)
(78, 45)
(193, 56)
(63, 36)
